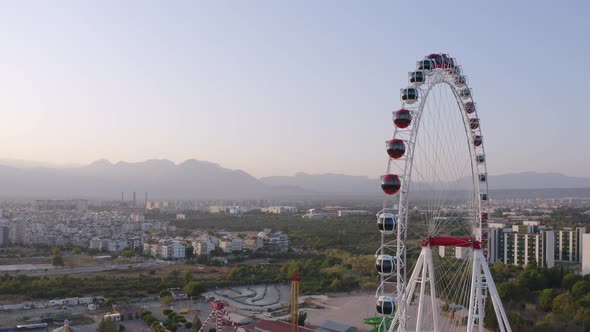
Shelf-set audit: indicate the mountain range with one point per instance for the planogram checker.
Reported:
(194, 179)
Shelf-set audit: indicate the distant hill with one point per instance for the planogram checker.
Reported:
(194, 179)
(533, 180)
(326, 183)
(160, 178)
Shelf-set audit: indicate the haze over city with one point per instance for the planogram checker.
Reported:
(275, 88)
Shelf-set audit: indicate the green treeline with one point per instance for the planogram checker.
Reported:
(332, 271)
(542, 299)
(65, 286)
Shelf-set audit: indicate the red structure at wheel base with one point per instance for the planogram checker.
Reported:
(448, 241)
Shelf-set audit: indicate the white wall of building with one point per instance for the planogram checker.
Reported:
(585, 254)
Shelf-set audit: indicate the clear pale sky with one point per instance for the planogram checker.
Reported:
(276, 87)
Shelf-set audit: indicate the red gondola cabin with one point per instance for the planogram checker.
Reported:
(396, 148)
(477, 140)
(469, 107)
(402, 118)
(390, 183)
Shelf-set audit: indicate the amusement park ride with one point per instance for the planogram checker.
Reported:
(219, 311)
(441, 237)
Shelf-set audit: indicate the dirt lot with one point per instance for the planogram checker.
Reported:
(344, 308)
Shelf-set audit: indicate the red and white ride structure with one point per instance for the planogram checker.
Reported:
(432, 260)
(218, 314)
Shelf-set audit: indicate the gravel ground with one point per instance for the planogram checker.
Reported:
(346, 309)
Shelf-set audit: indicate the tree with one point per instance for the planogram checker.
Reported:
(580, 288)
(197, 324)
(187, 277)
(57, 260)
(546, 297)
(569, 280)
(500, 271)
(76, 251)
(188, 325)
(127, 253)
(166, 299)
(195, 288)
(583, 316)
(55, 251)
(301, 318)
(107, 326)
(189, 252)
(563, 305)
(175, 274)
(508, 290)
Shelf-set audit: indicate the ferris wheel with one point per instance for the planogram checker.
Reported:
(432, 260)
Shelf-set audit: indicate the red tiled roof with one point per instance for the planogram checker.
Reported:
(273, 326)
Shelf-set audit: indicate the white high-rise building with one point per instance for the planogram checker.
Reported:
(4, 234)
(514, 248)
(568, 244)
(585, 254)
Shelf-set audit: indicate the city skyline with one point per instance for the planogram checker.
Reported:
(275, 89)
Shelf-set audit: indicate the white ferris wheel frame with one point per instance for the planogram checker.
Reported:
(481, 281)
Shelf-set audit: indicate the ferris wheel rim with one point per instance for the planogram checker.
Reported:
(466, 106)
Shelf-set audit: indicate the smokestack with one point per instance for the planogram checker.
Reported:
(122, 196)
(134, 199)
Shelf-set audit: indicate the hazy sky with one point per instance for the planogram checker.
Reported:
(276, 87)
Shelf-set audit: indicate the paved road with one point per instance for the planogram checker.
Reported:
(84, 269)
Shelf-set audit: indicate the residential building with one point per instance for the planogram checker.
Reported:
(59, 204)
(253, 243)
(585, 254)
(524, 248)
(136, 217)
(533, 242)
(234, 210)
(280, 209)
(457, 252)
(348, 213)
(204, 245)
(164, 206)
(229, 245)
(173, 250)
(568, 244)
(276, 242)
(4, 234)
(17, 231)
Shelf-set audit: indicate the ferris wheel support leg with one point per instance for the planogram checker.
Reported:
(423, 281)
(480, 300)
(432, 289)
(496, 301)
(412, 282)
(472, 290)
